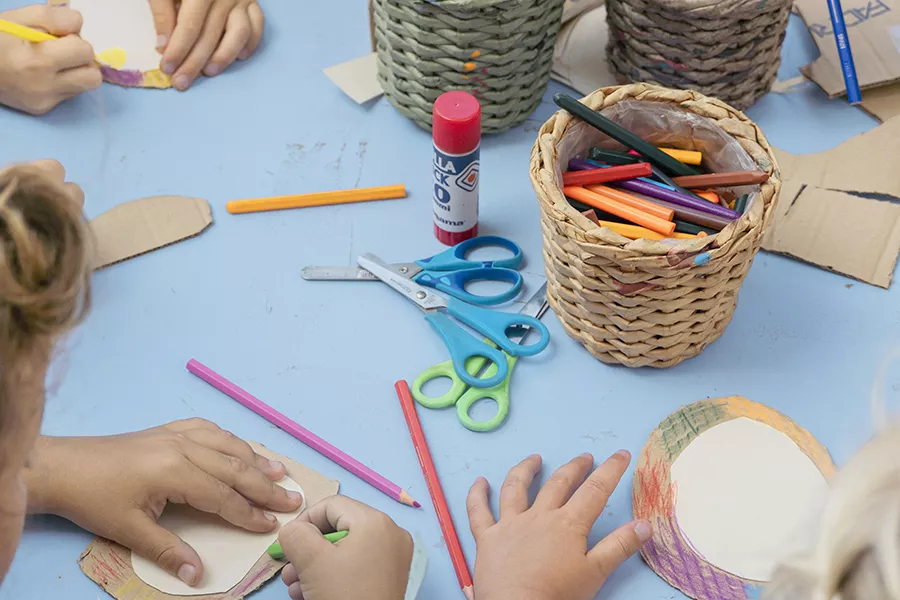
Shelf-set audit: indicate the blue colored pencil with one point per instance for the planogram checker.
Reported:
(844, 52)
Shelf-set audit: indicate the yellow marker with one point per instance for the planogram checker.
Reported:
(688, 157)
(114, 57)
(636, 232)
(388, 192)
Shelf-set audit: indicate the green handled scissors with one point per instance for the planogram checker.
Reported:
(465, 396)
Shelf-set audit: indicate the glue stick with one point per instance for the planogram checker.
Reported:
(456, 132)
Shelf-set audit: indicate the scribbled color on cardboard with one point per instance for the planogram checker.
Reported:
(669, 553)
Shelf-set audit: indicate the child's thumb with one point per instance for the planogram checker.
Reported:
(302, 542)
(159, 545)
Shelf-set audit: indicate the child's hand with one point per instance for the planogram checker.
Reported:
(372, 562)
(205, 35)
(34, 78)
(118, 486)
(541, 552)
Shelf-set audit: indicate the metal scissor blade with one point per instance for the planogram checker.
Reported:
(408, 270)
(426, 299)
(535, 307)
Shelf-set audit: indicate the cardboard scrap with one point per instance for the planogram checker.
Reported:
(140, 226)
(820, 220)
(358, 78)
(109, 565)
(882, 102)
(574, 8)
(579, 59)
(873, 29)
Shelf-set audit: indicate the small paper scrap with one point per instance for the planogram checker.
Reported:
(358, 78)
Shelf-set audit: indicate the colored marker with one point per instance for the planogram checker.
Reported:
(624, 211)
(276, 552)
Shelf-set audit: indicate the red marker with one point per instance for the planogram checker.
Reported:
(456, 131)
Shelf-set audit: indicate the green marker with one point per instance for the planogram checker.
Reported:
(277, 553)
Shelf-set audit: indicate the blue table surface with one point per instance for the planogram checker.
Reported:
(804, 341)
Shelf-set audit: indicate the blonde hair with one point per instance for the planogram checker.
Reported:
(44, 280)
(857, 555)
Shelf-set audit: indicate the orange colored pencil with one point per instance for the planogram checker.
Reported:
(707, 195)
(633, 201)
(434, 488)
(620, 210)
(387, 192)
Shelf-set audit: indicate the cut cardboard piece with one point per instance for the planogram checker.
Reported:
(140, 226)
(572, 9)
(840, 232)
(109, 564)
(883, 102)
(873, 30)
(819, 219)
(579, 58)
(358, 78)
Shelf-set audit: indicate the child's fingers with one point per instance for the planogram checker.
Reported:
(227, 443)
(257, 25)
(590, 499)
(202, 51)
(146, 538)
(80, 79)
(164, 14)
(338, 513)
(68, 52)
(295, 591)
(289, 574)
(514, 492)
(610, 552)
(563, 483)
(479, 509)
(191, 17)
(58, 21)
(302, 542)
(237, 34)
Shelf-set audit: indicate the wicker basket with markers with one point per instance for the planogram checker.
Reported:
(660, 298)
(500, 51)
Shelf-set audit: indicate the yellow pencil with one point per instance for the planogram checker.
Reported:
(387, 192)
(688, 157)
(114, 57)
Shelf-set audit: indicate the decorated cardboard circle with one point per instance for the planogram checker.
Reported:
(718, 494)
(124, 30)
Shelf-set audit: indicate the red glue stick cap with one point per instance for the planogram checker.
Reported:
(456, 123)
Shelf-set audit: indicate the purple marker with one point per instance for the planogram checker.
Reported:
(677, 198)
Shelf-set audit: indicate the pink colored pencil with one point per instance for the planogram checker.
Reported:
(304, 435)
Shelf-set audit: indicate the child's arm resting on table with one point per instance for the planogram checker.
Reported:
(372, 562)
(34, 78)
(117, 486)
(541, 552)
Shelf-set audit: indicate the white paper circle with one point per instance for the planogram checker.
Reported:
(747, 497)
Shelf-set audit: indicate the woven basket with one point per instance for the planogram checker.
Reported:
(501, 51)
(728, 49)
(643, 302)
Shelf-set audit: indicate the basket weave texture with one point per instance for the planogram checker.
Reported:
(501, 51)
(728, 49)
(643, 302)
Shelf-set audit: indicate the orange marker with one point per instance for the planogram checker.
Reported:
(388, 192)
(633, 201)
(707, 195)
(633, 232)
(620, 210)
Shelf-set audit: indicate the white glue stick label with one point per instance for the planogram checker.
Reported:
(455, 195)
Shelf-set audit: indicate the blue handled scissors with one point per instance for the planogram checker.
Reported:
(464, 396)
(450, 271)
(462, 345)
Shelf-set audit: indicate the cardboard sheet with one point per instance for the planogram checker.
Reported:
(579, 59)
(819, 219)
(358, 78)
(873, 28)
(883, 103)
(228, 552)
(109, 564)
(747, 497)
(140, 226)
